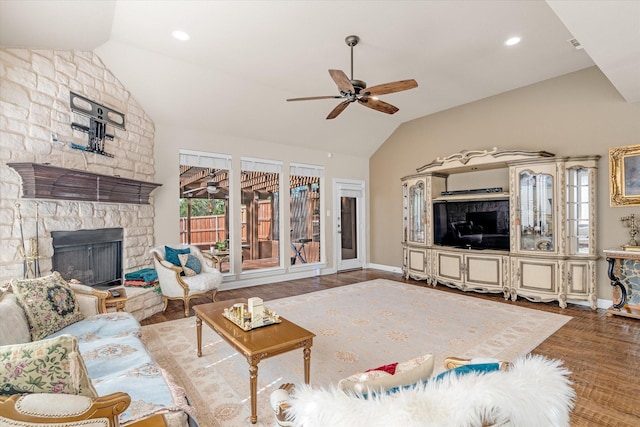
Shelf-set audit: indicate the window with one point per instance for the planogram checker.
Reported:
(304, 183)
(204, 202)
(260, 213)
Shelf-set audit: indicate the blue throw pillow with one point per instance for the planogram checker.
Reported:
(473, 367)
(171, 254)
(460, 370)
(190, 264)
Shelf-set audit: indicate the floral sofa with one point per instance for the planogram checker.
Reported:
(56, 337)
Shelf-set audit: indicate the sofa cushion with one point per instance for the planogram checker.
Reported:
(406, 373)
(106, 325)
(48, 302)
(15, 326)
(191, 265)
(46, 366)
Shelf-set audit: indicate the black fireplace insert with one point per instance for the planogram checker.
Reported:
(93, 257)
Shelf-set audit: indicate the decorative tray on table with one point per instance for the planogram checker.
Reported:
(239, 315)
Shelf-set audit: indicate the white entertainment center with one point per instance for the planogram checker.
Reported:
(520, 223)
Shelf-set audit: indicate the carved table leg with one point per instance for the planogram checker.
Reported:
(615, 282)
(199, 334)
(307, 364)
(253, 379)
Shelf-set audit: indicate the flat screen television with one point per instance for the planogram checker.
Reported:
(474, 224)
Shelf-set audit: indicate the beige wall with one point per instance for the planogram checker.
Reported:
(577, 114)
(169, 141)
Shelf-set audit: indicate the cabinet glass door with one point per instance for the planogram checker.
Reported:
(416, 213)
(536, 212)
(578, 207)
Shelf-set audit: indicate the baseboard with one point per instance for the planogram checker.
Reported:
(600, 303)
(382, 267)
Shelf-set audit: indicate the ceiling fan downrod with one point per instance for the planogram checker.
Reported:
(358, 85)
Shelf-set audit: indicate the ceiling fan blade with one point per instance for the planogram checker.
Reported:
(341, 79)
(194, 190)
(338, 109)
(310, 98)
(392, 87)
(378, 105)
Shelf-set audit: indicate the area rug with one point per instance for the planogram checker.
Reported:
(357, 327)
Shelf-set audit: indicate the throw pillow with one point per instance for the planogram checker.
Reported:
(190, 264)
(15, 326)
(406, 374)
(171, 254)
(49, 303)
(47, 366)
(472, 367)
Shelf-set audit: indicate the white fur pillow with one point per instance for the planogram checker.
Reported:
(407, 373)
(535, 392)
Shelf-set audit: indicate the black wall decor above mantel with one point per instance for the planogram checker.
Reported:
(41, 181)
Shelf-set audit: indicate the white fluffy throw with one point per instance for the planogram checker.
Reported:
(535, 392)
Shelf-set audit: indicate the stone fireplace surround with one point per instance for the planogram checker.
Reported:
(35, 86)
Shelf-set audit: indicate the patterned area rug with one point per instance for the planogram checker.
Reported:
(357, 327)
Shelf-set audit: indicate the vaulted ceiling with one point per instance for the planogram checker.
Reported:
(245, 58)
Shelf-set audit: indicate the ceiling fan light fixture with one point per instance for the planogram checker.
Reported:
(212, 187)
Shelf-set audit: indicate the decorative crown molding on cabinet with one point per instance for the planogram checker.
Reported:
(41, 181)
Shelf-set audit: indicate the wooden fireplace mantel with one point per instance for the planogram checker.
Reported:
(41, 181)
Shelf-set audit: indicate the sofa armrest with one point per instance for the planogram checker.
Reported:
(54, 409)
(92, 301)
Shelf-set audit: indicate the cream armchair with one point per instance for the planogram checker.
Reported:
(175, 286)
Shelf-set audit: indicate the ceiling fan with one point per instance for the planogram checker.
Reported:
(212, 187)
(352, 90)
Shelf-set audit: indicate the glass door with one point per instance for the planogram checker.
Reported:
(536, 221)
(416, 220)
(350, 225)
(578, 211)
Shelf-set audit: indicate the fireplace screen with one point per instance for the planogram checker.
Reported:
(93, 257)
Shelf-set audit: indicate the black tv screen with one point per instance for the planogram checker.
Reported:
(476, 224)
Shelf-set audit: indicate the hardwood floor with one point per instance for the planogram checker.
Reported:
(603, 353)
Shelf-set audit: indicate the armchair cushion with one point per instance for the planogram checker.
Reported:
(45, 366)
(190, 264)
(48, 302)
(46, 409)
(171, 254)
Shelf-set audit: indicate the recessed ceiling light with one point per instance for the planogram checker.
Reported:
(180, 35)
(512, 41)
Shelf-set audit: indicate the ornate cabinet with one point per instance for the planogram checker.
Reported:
(534, 239)
(553, 232)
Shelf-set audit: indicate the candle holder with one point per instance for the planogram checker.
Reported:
(634, 226)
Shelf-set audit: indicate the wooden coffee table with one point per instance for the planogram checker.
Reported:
(257, 344)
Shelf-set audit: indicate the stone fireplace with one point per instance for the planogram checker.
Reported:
(93, 257)
(62, 189)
